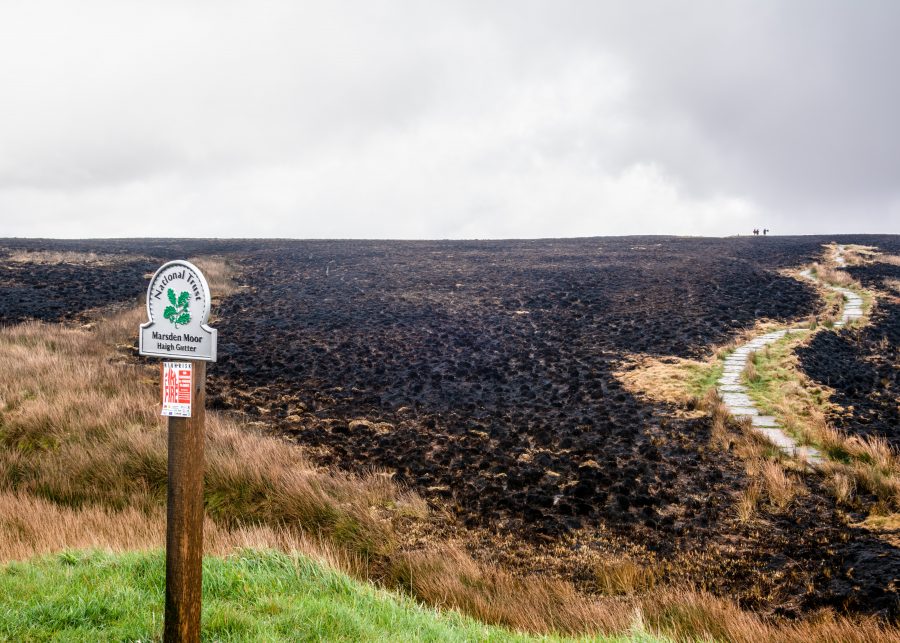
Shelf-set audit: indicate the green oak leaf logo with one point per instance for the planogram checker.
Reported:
(178, 313)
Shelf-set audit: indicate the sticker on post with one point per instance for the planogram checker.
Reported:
(177, 386)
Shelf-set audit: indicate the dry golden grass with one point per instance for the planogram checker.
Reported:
(893, 260)
(663, 379)
(833, 276)
(781, 487)
(719, 434)
(219, 274)
(748, 502)
(450, 578)
(765, 471)
(856, 255)
(32, 526)
(77, 258)
(750, 373)
(623, 576)
(677, 614)
(841, 485)
(868, 462)
(79, 430)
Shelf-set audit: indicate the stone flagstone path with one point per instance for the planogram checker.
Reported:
(853, 302)
(734, 394)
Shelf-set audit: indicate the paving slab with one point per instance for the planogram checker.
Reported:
(779, 438)
(765, 421)
(737, 399)
(812, 455)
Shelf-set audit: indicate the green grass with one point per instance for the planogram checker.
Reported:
(250, 596)
(774, 370)
(704, 378)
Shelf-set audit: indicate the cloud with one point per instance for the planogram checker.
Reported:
(434, 120)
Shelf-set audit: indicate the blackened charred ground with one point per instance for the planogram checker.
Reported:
(481, 374)
(861, 365)
(61, 291)
(495, 359)
(58, 292)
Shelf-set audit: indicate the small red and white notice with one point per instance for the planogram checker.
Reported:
(176, 389)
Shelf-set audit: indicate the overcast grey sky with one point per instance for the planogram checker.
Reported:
(448, 119)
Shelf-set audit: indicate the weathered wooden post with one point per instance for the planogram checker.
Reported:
(178, 302)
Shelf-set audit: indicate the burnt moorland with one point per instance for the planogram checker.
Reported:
(481, 375)
(862, 365)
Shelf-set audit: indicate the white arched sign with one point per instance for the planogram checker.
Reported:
(178, 302)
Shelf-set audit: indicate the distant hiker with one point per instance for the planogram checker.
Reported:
(765, 231)
(755, 232)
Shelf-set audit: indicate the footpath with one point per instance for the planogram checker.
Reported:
(735, 395)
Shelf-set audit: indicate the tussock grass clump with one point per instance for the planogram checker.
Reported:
(841, 485)
(623, 576)
(781, 487)
(748, 502)
(761, 462)
(750, 373)
(30, 525)
(451, 578)
(834, 276)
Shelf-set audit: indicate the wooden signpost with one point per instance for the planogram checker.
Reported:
(178, 302)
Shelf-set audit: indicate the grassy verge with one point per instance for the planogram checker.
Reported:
(776, 387)
(855, 463)
(702, 378)
(249, 596)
